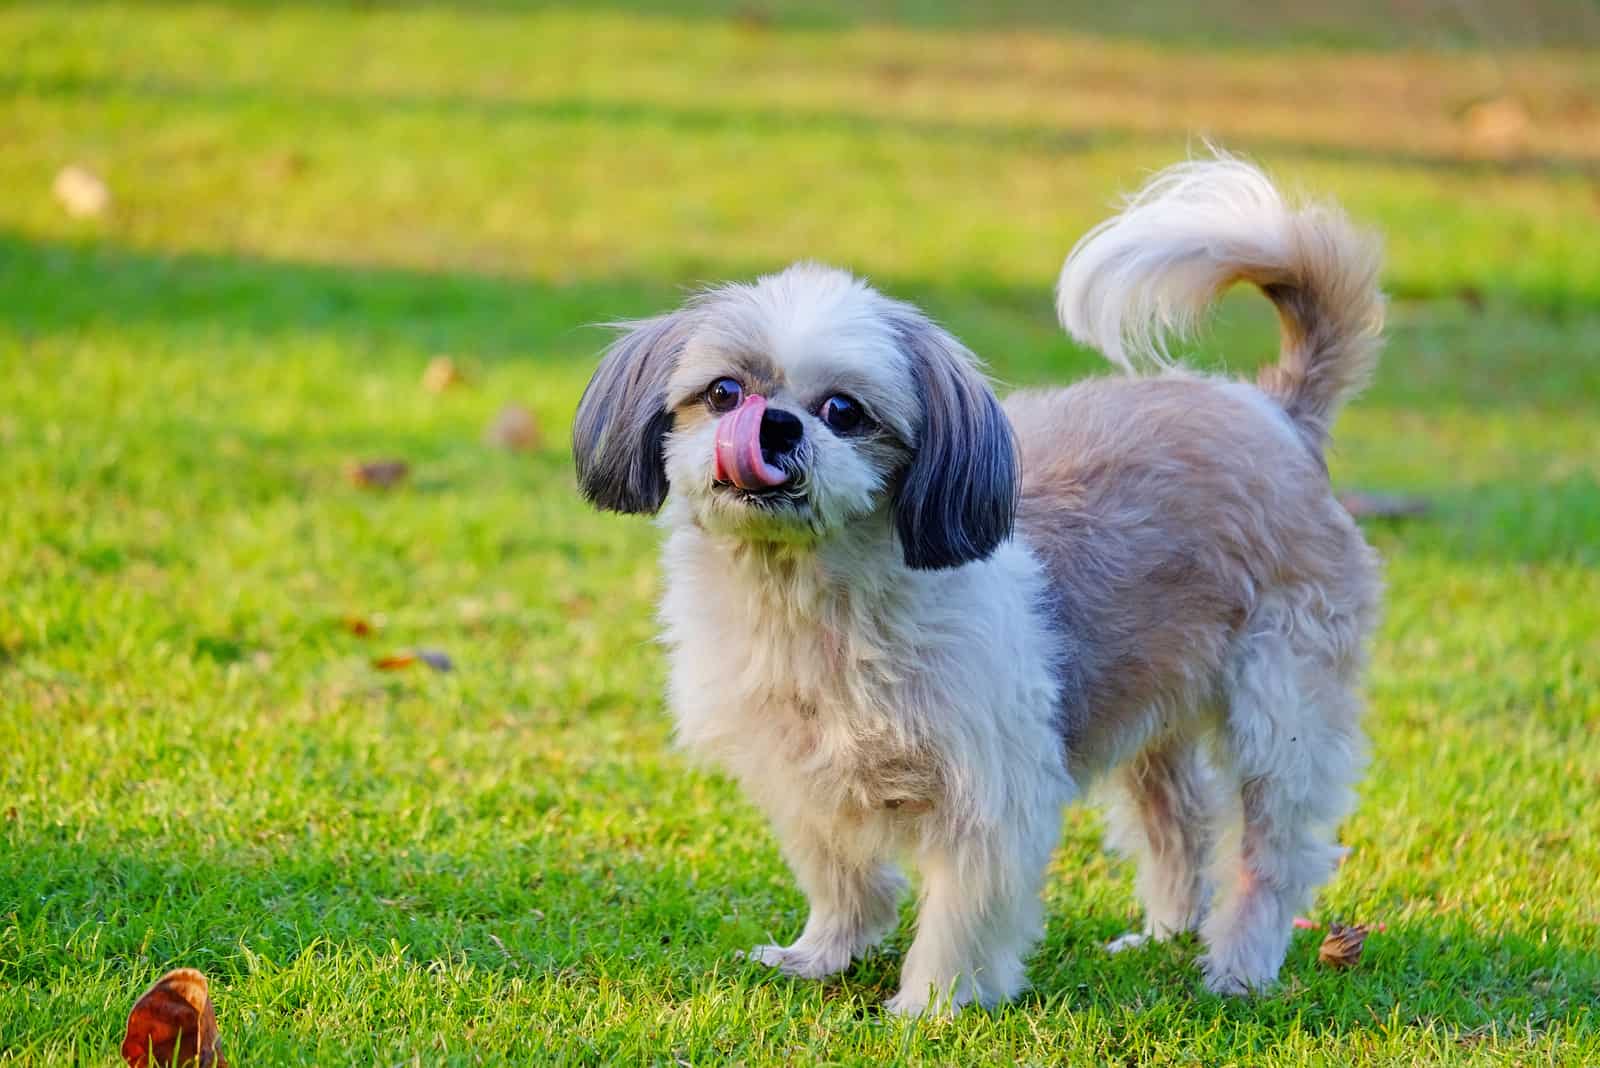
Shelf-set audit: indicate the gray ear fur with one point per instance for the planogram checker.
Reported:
(957, 501)
(623, 419)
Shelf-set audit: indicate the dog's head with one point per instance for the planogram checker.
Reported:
(789, 409)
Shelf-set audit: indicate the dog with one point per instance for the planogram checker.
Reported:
(914, 622)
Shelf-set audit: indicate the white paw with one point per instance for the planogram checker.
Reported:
(800, 960)
(913, 1001)
(909, 1005)
(1232, 982)
(1131, 940)
(906, 1004)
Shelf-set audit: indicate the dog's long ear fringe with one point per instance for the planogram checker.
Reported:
(957, 501)
(622, 421)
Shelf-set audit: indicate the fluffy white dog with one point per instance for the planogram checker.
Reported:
(914, 622)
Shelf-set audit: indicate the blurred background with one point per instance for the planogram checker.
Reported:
(295, 306)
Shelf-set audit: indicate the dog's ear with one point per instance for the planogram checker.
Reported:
(622, 420)
(957, 500)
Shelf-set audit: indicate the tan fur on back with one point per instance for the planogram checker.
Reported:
(1161, 508)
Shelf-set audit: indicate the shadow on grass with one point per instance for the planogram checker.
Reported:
(49, 286)
(1446, 973)
(55, 286)
(1302, 22)
(377, 314)
(578, 922)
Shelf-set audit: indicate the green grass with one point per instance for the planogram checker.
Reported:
(508, 863)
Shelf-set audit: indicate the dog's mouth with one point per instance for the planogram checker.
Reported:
(791, 496)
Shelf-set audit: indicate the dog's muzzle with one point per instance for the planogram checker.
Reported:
(749, 438)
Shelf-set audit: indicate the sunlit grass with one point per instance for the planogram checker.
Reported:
(200, 766)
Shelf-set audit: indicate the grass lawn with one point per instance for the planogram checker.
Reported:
(200, 765)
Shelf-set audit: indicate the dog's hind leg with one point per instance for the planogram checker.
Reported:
(1293, 742)
(1162, 811)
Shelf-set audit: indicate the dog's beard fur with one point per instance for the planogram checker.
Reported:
(1181, 614)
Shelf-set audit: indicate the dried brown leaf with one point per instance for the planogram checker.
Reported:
(514, 428)
(286, 165)
(173, 1023)
(1342, 948)
(378, 474)
(752, 18)
(81, 193)
(1498, 127)
(441, 374)
(435, 659)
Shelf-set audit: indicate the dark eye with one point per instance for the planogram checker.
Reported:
(841, 414)
(724, 395)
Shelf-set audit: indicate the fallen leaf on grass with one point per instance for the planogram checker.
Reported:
(1383, 505)
(432, 657)
(752, 18)
(1497, 127)
(173, 1023)
(1342, 948)
(514, 428)
(286, 165)
(441, 374)
(378, 474)
(81, 193)
(1472, 297)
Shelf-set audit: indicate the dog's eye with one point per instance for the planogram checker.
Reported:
(841, 413)
(724, 395)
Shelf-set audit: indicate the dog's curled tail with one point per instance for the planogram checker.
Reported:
(1196, 229)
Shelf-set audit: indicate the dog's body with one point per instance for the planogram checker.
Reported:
(1180, 612)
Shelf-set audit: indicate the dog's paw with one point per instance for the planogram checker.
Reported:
(1231, 982)
(799, 960)
(1229, 986)
(909, 1003)
(906, 1005)
(1131, 940)
(1239, 967)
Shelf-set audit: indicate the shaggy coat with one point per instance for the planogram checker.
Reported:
(913, 636)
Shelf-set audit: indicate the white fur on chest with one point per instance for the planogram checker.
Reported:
(846, 691)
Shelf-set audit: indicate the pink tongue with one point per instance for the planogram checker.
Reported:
(739, 457)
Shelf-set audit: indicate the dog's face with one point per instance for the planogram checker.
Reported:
(786, 410)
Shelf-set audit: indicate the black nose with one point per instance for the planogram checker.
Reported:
(781, 431)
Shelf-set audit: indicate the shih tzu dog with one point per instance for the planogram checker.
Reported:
(914, 621)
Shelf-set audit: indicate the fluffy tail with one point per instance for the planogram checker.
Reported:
(1201, 226)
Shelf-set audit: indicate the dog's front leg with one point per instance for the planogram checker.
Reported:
(854, 904)
(980, 914)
